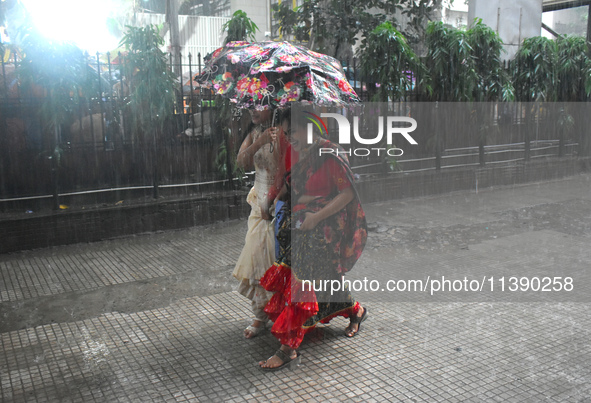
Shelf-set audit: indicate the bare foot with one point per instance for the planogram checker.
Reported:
(274, 361)
(254, 329)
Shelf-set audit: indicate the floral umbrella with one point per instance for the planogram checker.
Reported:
(273, 74)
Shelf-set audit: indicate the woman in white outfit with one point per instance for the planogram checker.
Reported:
(259, 150)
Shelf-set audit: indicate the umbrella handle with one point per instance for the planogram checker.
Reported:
(272, 145)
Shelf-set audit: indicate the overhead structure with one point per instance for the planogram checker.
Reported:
(513, 20)
(554, 5)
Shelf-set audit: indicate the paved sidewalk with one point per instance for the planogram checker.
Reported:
(156, 317)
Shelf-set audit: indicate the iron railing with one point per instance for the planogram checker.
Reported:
(99, 154)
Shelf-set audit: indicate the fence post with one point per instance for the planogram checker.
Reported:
(561, 130)
(181, 100)
(111, 111)
(3, 148)
(482, 130)
(530, 122)
(101, 100)
(191, 111)
(53, 157)
(437, 139)
(4, 75)
(355, 79)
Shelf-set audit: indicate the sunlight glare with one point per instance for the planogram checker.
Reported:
(83, 22)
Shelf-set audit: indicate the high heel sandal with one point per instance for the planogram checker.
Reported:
(357, 320)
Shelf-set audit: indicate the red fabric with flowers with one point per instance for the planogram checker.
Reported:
(330, 176)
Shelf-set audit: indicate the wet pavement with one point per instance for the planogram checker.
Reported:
(156, 318)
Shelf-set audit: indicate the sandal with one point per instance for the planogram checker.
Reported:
(287, 361)
(357, 320)
(255, 331)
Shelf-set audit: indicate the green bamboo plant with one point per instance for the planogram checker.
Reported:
(574, 69)
(492, 81)
(386, 57)
(534, 70)
(535, 79)
(450, 63)
(240, 28)
(151, 83)
(152, 90)
(574, 85)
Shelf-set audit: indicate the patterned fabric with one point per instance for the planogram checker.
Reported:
(322, 254)
(274, 74)
(346, 231)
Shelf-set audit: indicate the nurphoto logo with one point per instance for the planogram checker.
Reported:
(394, 125)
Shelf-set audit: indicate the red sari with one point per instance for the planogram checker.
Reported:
(312, 258)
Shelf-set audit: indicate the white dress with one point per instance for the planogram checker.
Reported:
(258, 253)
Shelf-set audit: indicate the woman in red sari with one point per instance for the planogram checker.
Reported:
(321, 238)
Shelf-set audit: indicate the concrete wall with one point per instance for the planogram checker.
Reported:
(30, 231)
(513, 20)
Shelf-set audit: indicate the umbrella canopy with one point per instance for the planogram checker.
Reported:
(273, 74)
(189, 81)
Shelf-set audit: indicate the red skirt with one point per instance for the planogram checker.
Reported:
(294, 309)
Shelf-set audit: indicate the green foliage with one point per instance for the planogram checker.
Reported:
(240, 28)
(450, 64)
(566, 121)
(392, 163)
(223, 115)
(574, 69)
(493, 82)
(288, 21)
(329, 26)
(221, 164)
(221, 161)
(535, 70)
(336, 24)
(386, 57)
(151, 83)
(333, 26)
(552, 70)
(419, 13)
(466, 65)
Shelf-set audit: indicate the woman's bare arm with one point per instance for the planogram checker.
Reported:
(248, 149)
(244, 159)
(334, 206)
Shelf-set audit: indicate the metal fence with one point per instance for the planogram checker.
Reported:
(459, 135)
(98, 158)
(99, 150)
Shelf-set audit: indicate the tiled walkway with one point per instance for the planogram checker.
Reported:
(414, 347)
